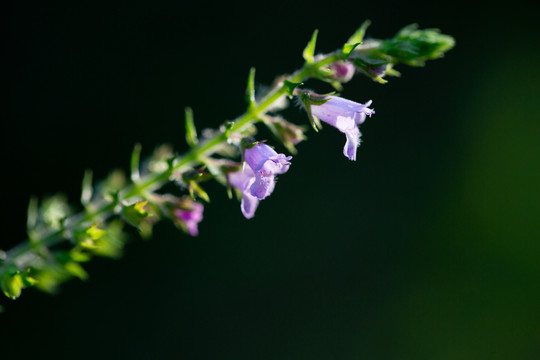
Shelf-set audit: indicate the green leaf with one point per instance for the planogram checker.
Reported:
(290, 86)
(134, 164)
(86, 190)
(309, 51)
(250, 89)
(359, 34)
(191, 131)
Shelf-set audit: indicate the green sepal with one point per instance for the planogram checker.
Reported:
(112, 243)
(135, 213)
(287, 133)
(191, 132)
(134, 163)
(290, 87)
(365, 63)
(95, 233)
(86, 187)
(87, 238)
(12, 281)
(309, 98)
(309, 51)
(196, 190)
(358, 36)
(11, 285)
(250, 89)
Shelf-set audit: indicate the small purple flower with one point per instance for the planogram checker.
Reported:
(190, 216)
(345, 115)
(256, 180)
(266, 163)
(343, 71)
(242, 180)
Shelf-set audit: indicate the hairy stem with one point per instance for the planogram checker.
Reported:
(23, 254)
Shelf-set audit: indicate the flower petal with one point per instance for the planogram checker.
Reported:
(262, 186)
(352, 143)
(249, 205)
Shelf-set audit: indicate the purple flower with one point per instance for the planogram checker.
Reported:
(266, 163)
(345, 115)
(190, 216)
(256, 180)
(343, 71)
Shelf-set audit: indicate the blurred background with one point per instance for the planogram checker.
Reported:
(427, 247)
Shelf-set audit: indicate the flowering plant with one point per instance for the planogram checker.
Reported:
(59, 241)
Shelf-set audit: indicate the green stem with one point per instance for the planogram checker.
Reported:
(155, 181)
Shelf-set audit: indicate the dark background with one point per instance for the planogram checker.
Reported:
(426, 248)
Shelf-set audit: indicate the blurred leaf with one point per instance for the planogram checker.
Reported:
(87, 191)
(191, 131)
(134, 163)
(250, 89)
(76, 270)
(32, 214)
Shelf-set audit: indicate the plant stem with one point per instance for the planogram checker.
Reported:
(155, 181)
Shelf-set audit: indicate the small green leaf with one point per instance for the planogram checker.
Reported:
(250, 90)
(191, 131)
(309, 51)
(86, 189)
(290, 86)
(359, 34)
(134, 164)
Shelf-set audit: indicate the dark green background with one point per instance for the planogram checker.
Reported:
(427, 247)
